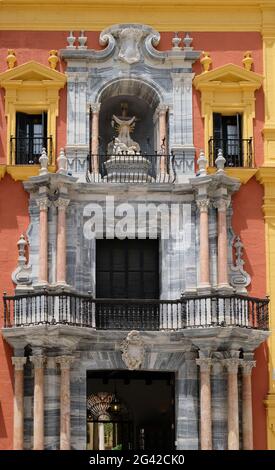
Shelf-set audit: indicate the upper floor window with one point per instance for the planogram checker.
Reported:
(31, 137)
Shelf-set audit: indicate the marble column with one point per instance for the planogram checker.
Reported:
(65, 402)
(38, 407)
(43, 204)
(203, 205)
(95, 135)
(222, 205)
(247, 421)
(18, 403)
(205, 403)
(61, 250)
(162, 112)
(232, 366)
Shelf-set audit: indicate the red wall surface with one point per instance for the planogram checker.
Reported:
(247, 218)
(14, 221)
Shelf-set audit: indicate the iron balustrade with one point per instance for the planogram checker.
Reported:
(27, 150)
(49, 308)
(237, 152)
(132, 168)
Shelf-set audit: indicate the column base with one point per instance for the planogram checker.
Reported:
(225, 289)
(204, 289)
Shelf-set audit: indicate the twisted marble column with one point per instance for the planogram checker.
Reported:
(38, 406)
(205, 403)
(232, 366)
(247, 420)
(65, 402)
(18, 403)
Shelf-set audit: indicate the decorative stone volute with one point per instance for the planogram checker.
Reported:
(21, 276)
(11, 58)
(44, 161)
(62, 163)
(53, 59)
(206, 61)
(248, 60)
(202, 163)
(133, 350)
(239, 278)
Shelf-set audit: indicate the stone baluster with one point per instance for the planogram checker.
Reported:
(162, 112)
(38, 406)
(65, 402)
(18, 403)
(43, 204)
(232, 366)
(205, 403)
(222, 205)
(247, 421)
(61, 204)
(95, 135)
(203, 205)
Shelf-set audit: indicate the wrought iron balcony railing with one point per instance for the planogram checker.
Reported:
(237, 152)
(131, 168)
(48, 308)
(27, 150)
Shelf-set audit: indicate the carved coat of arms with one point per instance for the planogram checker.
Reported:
(129, 45)
(132, 349)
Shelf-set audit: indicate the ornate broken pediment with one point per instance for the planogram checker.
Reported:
(133, 350)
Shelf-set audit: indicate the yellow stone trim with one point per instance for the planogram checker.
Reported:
(24, 172)
(269, 88)
(31, 88)
(243, 174)
(2, 171)
(199, 15)
(229, 89)
(266, 176)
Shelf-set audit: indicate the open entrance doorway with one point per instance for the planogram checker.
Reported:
(130, 410)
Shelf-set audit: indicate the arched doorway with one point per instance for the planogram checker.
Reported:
(130, 410)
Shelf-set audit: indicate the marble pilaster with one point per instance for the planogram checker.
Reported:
(65, 402)
(247, 421)
(38, 406)
(232, 366)
(205, 403)
(18, 407)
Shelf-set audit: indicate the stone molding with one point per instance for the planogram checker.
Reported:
(18, 362)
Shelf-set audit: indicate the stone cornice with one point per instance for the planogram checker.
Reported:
(197, 15)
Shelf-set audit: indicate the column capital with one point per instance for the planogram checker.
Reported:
(203, 204)
(62, 203)
(95, 107)
(38, 361)
(232, 365)
(18, 362)
(64, 361)
(247, 366)
(161, 109)
(204, 363)
(43, 203)
(221, 204)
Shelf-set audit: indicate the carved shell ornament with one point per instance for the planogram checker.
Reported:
(133, 350)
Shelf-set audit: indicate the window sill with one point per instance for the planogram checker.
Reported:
(243, 174)
(24, 172)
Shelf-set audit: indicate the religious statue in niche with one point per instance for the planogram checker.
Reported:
(124, 126)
